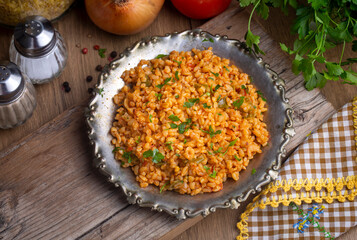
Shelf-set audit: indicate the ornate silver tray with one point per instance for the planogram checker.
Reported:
(101, 110)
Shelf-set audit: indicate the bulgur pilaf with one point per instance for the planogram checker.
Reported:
(187, 122)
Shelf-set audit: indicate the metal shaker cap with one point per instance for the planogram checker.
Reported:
(12, 82)
(34, 37)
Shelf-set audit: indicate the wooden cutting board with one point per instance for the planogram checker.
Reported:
(48, 188)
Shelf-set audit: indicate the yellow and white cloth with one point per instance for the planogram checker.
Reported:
(314, 196)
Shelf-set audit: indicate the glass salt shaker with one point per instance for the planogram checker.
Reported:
(17, 96)
(38, 49)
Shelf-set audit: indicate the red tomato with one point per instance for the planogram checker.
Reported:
(201, 9)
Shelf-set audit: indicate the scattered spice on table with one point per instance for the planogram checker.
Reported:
(78, 45)
(89, 78)
(89, 36)
(113, 54)
(99, 68)
(96, 47)
(85, 50)
(90, 90)
(65, 84)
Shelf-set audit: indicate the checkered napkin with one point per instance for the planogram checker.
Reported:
(314, 196)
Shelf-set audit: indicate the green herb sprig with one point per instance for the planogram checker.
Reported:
(155, 154)
(320, 25)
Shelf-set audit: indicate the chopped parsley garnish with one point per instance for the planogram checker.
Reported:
(156, 155)
(174, 118)
(209, 39)
(116, 149)
(207, 93)
(161, 56)
(178, 62)
(215, 74)
(220, 114)
(100, 91)
(230, 145)
(206, 106)
(168, 144)
(210, 153)
(211, 132)
(138, 140)
(173, 125)
(238, 103)
(217, 87)
(261, 95)
(146, 104)
(206, 168)
(219, 150)
(162, 188)
(127, 155)
(237, 158)
(213, 174)
(191, 102)
(253, 171)
(226, 68)
(101, 52)
(211, 78)
(165, 82)
(211, 145)
(158, 95)
(177, 76)
(177, 96)
(219, 97)
(185, 141)
(244, 88)
(178, 155)
(184, 126)
(150, 118)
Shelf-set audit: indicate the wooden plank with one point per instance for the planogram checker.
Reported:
(48, 189)
(75, 27)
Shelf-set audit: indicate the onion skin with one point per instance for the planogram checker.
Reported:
(123, 17)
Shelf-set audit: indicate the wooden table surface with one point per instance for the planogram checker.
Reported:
(52, 100)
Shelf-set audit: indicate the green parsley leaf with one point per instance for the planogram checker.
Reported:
(230, 145)
(211, 78)
(237, 158)
(226, 68)
(163, 186)
(213, 174)
(177, 76)
(211, 132)
(220, 114)
(238, 103)
(101, 52)
(178, 62)
(219, 97)
(127, 155)
(148, 153)
(161, 56)
(182, 128)
(158, 95)
(138, 140)
(244, 88)
(206, 168)
(100, 91)
(206, 40)
(191, 102)
(215, 74)
(156, 155)
(219, 150)
(174, 118)
(261, 95)
(184, 141)
(173, 125)
(165, 82)
(168, 144)
(217, 87)
(178, 155)
(116, 149)
(211, 145)
(177, 96)
(206, 106)
(150, 118)
(253, 171)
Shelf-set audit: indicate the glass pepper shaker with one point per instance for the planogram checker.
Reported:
(17, 96)
(38, 49)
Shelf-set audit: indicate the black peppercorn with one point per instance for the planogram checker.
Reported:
(90, 90)
(113, 54)
(89, 78)
(99, 68)
(67, 89)
(65, 84)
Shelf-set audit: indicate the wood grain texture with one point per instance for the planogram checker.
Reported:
(47, 186)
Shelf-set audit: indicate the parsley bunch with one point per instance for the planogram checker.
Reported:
(320, 25)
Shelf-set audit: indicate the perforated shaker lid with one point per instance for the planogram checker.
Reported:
(12, 82)
(35, 36)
